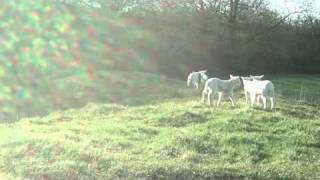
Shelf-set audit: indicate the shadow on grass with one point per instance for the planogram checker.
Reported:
(76, 91)
(300, 112)
(182, 119)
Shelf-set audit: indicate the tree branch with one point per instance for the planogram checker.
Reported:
(269, 30)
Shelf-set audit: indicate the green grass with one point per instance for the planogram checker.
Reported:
(75, 90)
(164, 132)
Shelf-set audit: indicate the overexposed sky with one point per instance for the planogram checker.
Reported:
(283, 6)
(287, 6)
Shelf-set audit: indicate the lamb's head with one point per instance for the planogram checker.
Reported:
(203, 76)
(235, 80)
(245, 80)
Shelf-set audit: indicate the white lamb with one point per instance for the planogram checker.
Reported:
(215, 86)
(264, 89)
(195, 79)
(245, 88)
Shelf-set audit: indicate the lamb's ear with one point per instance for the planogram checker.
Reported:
(260, 77)
(231, 76)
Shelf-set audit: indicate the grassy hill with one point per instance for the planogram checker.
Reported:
(75, 90)
(156, 128)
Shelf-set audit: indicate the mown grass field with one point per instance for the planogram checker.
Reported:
(159, 129)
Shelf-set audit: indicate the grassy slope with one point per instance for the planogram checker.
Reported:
(173, 136)
(76, 90)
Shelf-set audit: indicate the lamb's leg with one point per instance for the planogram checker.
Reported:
(232, 101)
(246, 95)
(219, 99)
(203, 95)
(213, 99)
(272, 102)
(259, 99)
(252, 99)
(264, 100)
(209, 98)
